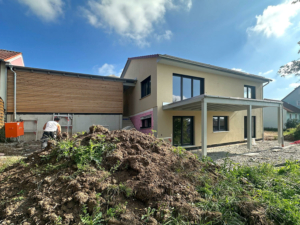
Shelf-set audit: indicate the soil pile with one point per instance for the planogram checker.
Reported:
(103, 177)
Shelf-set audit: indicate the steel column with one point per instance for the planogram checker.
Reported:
(249, 127)
(280, 125)
(204, 127)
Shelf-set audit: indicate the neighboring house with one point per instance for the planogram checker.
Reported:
(291, 110)
(293, 98)
(191, 101)
(8, 57)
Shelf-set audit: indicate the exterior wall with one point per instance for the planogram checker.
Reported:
(137, 122)
(80, 123)
(141, 69)
(217, 85)
(293, 116)
(46, 93)
(271, 117)
(293, 98)
(3, 82)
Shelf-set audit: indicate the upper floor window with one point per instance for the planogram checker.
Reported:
(146, 87)
(298, 103)
(249, 92)
(185, 87)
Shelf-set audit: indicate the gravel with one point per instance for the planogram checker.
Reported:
(262, 152)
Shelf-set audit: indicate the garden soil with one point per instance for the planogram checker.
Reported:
(159, 183)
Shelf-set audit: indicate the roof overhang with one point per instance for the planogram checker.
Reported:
(126, 82)
(218, 103)
(197, 66)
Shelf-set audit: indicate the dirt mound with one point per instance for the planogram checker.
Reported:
(119, 177)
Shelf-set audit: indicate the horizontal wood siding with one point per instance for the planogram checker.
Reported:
(46, 93)
(1, 113)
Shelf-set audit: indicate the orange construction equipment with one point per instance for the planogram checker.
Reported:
(14, 129)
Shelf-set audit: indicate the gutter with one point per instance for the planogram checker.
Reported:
(15, 93)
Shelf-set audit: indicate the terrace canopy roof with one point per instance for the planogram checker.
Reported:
(218, 103)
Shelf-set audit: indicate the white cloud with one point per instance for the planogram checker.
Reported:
(265, 73)
(132, 19)
(47, 10)
(275, 20)
(294, 85)
(167, 36)
(109, 69)
(240, 70)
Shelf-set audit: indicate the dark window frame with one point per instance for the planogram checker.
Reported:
(202, 86)
(253, 91)
(144, 87)
(149, 123)
(219, 124)
(193, 130)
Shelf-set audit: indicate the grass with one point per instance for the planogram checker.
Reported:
(275, 189)
(8, 161)
(289, 131)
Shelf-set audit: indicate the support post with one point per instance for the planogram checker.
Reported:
(249, 127)
(204, 127)
(280, 126)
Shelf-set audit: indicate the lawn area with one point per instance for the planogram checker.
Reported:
(6, 161)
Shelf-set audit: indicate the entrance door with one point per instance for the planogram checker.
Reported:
(253, 128)
(183, 130)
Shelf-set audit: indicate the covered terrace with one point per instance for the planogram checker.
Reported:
(206, 103)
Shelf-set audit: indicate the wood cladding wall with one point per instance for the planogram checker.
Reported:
(47, 93)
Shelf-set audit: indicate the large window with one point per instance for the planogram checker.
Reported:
(220, 123)
(249, 92)
(183, 130)
(185, 87)
(253, 127)
(146, 87)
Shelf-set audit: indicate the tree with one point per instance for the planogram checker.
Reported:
(292, 67)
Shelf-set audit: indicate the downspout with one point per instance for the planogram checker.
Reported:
(15, 93)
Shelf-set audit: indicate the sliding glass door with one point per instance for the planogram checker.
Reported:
(183, 130)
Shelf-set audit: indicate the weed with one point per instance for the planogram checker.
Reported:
(150, 212)
(115, 167)
(180, 151)
(116, 211)
(126, 190)
(94, 219)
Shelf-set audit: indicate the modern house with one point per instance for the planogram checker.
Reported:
(193, 104)
(291, 110)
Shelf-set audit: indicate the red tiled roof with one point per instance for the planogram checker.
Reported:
(6, 55)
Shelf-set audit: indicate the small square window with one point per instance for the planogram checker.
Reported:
(146, 123)
(146, 87)
(220, 123)
(298, 103)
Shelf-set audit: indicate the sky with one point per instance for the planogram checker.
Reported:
(97, 36)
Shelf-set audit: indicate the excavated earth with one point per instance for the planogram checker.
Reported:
(45, 189)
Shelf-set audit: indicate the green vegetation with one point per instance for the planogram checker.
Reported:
(276, 190)
(8, 161)
(83, 155)
(292, 123)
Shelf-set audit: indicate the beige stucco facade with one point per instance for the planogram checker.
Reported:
(140, 69)
(216, 84)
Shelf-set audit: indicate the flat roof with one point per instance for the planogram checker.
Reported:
(219, 103)
(126, 82)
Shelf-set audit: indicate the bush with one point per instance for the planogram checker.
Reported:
(292, 123)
